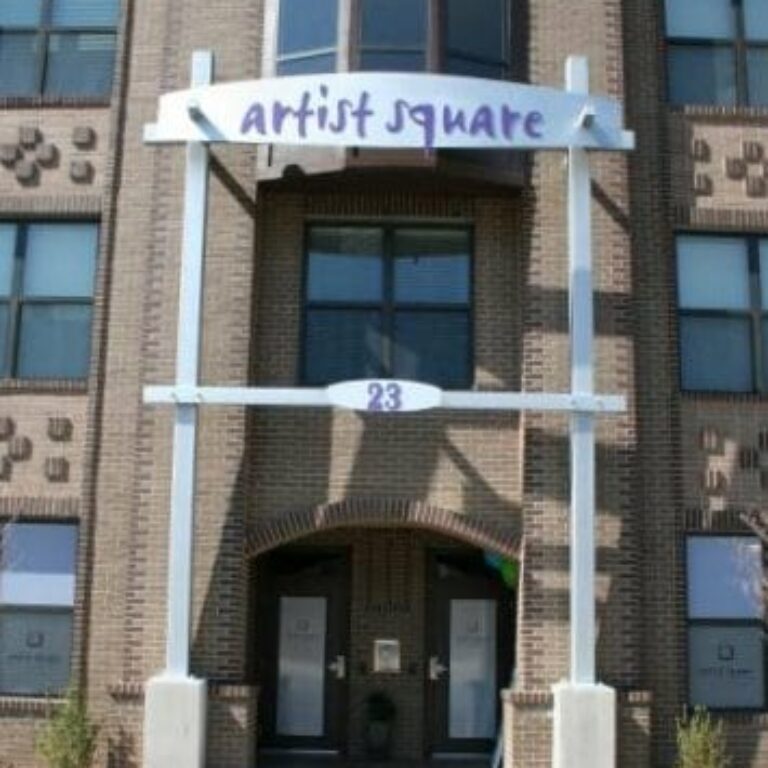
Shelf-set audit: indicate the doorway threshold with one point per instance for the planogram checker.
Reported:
(304, 760)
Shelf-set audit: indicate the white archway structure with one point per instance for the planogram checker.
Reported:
(386, 110)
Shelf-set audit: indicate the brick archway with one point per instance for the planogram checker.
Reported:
(273, 532)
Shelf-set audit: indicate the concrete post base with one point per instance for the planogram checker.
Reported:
(175, 722)
(584, 727)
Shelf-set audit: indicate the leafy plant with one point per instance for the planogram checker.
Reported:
(69, 738)
(700, 742)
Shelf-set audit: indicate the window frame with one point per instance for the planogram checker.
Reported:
(387, 307)
(755, 314)
(43, 32)
(16, 301)
(740, 46)
(49, 610)
(754, 623)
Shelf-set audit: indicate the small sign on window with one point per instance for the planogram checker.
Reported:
(386, 656)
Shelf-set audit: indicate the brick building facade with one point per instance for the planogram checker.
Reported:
(399, 503)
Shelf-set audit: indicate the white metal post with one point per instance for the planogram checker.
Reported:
(582, 383)
(181, 547)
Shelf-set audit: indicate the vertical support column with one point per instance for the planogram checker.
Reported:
(584, 724)
(175, 709)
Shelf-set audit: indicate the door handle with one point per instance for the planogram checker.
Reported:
(339, 667)
(436, 669)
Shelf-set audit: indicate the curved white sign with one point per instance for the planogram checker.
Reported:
(384, 395)
(364, 109)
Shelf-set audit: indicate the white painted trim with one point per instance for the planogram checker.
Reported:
(300, 397)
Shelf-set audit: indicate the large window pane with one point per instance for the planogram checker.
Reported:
(701, 18)
(35, 651)
(725, 577)
(432, 266)
(715, 354)
(342, 344)
(712, 272)
(397, 23)
(85, 13)
(756, 19)
(702, 75)
(20, 13)
(757, 76)
(307, 25)
(308, 65)
(7, 257)
(345, 264)
(19, 64)
(55, 341)
(60, 260)
(457, 65)
(477, 28)
(726, 666)
(37, 564)
(4, 361)
(80, 65)
(432, 347)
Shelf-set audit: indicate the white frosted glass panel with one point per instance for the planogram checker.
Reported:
(7, 250)
(37, 565)
(60, 260)
(726, 667)
(756, 19)
(472, 690)
(712, 272)
(301, 667)
(35, 650)
(725, 576)
(700, 18)
(764, 272)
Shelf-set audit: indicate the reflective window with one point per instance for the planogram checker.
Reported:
(726, 655)
(47, 273)
(722, 285)
(57, 47)
(476, 38)
(710, 59)
(388, 301)
(307, 35)
(393, 35)
(37, 595)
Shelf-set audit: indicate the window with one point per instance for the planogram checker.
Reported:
(726, 633)
(463, 37)
(46, 294)
(388, 301)
(723, 313)
(57, 47)
(718, 51)
(37, 595)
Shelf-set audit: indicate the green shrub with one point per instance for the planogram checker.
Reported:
(69, 738)
(700, 743)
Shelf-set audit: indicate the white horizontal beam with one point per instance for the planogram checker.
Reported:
(300, 397)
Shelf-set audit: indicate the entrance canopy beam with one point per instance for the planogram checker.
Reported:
(303, 397)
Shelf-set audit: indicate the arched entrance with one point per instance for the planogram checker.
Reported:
(378, 610)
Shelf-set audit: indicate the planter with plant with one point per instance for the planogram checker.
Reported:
(69, 737)
(379, 725)
(701, 742)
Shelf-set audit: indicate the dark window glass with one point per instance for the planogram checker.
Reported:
(476, 37)
(702, 75)
(46, 292)
(57, 47)
(345, 264)
(393, 35)
(342, 344)
(19, 61)
(716, 354)
(432, 347)
(757, 73)
(306, 39)
(79, 64)
(388, 301)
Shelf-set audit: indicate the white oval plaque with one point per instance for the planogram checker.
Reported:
(384, 395)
